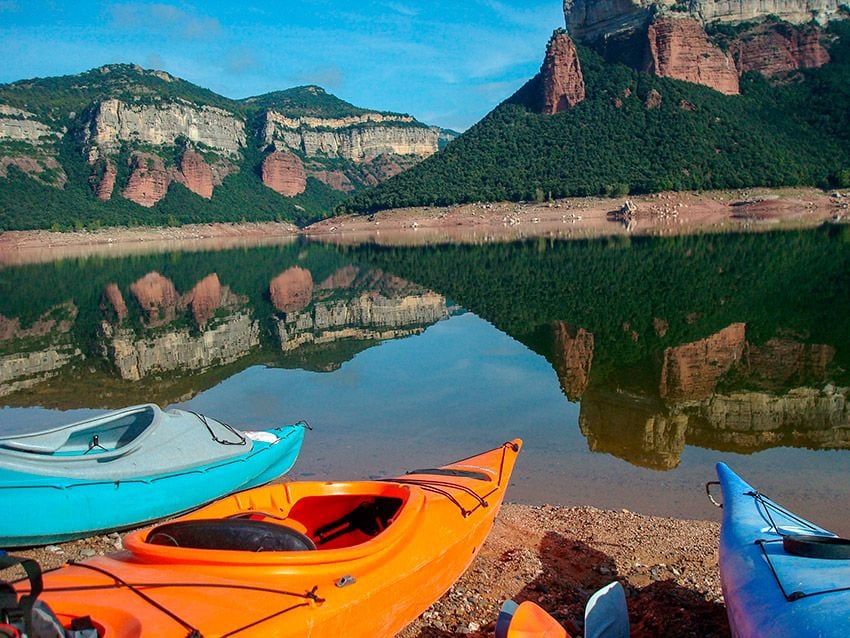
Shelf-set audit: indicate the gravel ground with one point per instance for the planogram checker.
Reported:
(557, 557)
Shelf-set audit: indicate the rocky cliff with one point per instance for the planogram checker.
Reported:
(136, 357)
(141, 132)
(357, 138)
(561, 78)
(679, 48)
(113, 122)
(672, 40)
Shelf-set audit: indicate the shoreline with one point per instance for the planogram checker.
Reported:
(557, 557)
(659, 214)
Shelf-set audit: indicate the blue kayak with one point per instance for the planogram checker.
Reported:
(129, 467)
(782, 576)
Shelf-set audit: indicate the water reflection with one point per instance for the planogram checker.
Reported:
(664, 350)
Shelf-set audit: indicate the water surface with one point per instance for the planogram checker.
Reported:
(628, 366)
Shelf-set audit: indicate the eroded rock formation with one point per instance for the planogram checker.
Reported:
(205, 298)
(573, 352)
(114, 301)
(114, 121)
(562, 82)
(284, 173)
(195, 174)
(291, 290)
(135, 358)
(775, 50)
(680, 49)
(148, 181)
(157, 296)
(105, 184)
(691, 371)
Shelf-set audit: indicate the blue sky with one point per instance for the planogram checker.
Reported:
(445, 62)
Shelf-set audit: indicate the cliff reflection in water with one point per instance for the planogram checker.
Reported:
(732, 342)
(109, 333)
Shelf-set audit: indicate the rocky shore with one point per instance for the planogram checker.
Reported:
(662, 214)
(557, 557)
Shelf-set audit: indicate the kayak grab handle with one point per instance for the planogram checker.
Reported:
(708, 493)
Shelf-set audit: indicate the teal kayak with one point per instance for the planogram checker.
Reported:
(782, 576)
(129, 467)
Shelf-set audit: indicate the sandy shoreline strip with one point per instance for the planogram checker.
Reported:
(659, 214)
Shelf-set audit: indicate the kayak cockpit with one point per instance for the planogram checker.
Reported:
(278, 523)
(100, 435)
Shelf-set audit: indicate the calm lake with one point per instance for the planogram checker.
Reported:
(629, 366)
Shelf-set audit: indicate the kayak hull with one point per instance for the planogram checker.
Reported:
(768, 590)
(386, 551)
(54, 508)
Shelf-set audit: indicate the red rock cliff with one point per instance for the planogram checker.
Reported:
(284, 173)
(157, 296)
(561, 78)
(776, 49)
(148, 181)
(691, 371)
(573, 350)
(103, 188)
(680, 49)
(195, 174)
(205, 299)
(292, 289)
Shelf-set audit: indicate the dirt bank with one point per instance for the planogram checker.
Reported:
(557, 556)
(657, 214)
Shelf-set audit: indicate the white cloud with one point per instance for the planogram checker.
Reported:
(156, 18)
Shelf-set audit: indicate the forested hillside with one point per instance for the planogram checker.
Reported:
(636, 133)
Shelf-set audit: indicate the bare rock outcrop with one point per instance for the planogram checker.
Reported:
(691, 371)
(680, 49)
(335, 179)
(573, 351)
(205, 298)
(195, 174)
(114, 301)
(113, 122)
(105, 184)
(291, 290)
(148, 181)
(157, 296)
(561, 78)
(284, 173)
(357, 138)
(775, 49)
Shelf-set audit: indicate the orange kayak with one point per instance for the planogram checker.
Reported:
(296, 559)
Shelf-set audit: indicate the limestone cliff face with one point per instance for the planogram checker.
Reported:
(680, 49)
(775, 50)
(21, 126)
(592, 20)
(18, 128)
(136, 357)
(284, 173)
(113, 121)
(369, 316)
(27, 369)
(635, 429)
(148, 181)
(357, 139)
(561, 78)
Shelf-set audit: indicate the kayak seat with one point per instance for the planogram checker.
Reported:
(231, 534)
